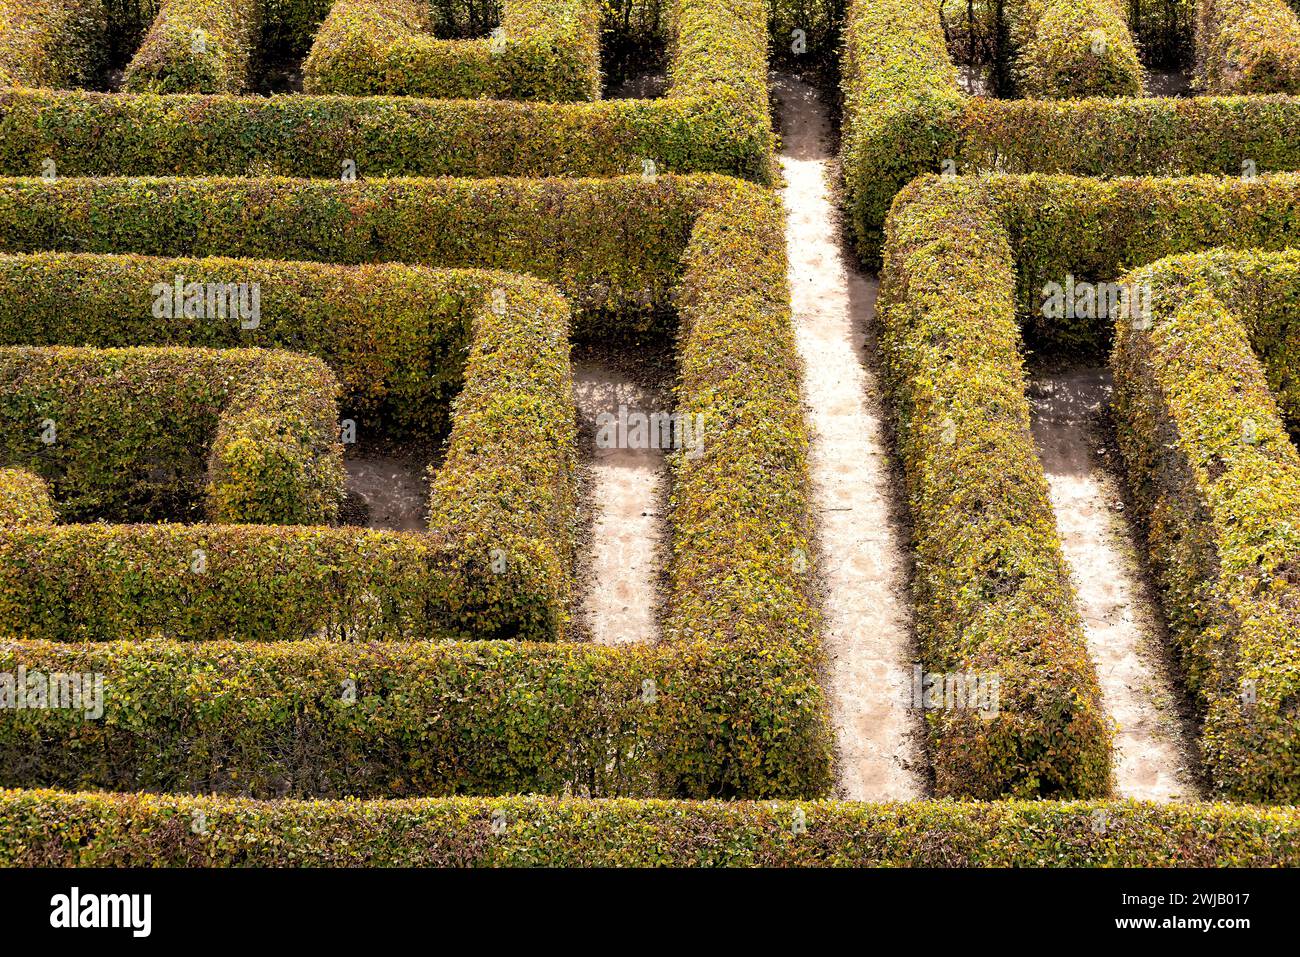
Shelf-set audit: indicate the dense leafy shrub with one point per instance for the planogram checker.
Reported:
(543, 50)
(197, 46)
(1071, 48)
(243, 435)
(714, 118)
(49, 829)
(905, 116)
(24, 498)
(739, 669)
(1247, 46)
(1218, 480)
(503, 497)
(967, 258)
(993, 592)
(52, 43)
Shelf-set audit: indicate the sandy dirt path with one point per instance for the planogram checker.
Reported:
(621, 598)
(1122, 622)
(862, 561)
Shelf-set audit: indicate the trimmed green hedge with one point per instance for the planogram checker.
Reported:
(1071, 48)
(242, 435)
(902, 107)
(314, 718)
(904, 116)
(992, 589)
(197, 46)
(715, 118)
(1218, 480)
(1129, 136)
(398, 336)
(52, 43)
(395, 335)
(544, 50)
(967, 258)
(748, 717)
(53, 829)
(24, 498)
(1247, 46)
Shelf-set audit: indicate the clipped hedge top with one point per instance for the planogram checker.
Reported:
(1219, 480)
(139, 433)
(47, 828)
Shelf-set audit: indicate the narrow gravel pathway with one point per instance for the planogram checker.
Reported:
(1122, 623)
(868, 634)
(621, 599)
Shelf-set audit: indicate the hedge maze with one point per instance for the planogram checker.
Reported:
(205, 293)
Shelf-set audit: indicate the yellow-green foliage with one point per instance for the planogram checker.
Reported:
(244, 435)
(712, 119)
(1073, 48)
(24, 498)
(544, 50)
(1247, 46)
(993, 592)
(742, 710)
(904, 116)
(902, 106)
(968, 257)
(197, 46)
(397, 336)
(52, 43)
(1218, 479)
(50, 829)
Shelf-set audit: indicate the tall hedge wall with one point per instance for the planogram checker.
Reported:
(714, 118)
(968, 257)
(739, 670)
(1072, 48)
(504, 494)
(52, 43)
(904, 116)
(993, 592)
(243, 435)
(544, 50)
(197, 46)
(51, 829)
(1218, 479)
(1247, 46)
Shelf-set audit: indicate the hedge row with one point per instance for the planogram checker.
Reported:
(24, 498)
(901, 107)
(1098, 229)
(52, 43)
(197, 46)
(242, 435)
(545, 50)
(404, 719)
(990, 576)
(992, 589)
(1130, 137)
(395, 335)
(1247, 46)
(53, 829)
(904, 116)
(498, 559)
(714, 119)
(1218, 480)
(631, 249)
(613, 247)
(1072, 48)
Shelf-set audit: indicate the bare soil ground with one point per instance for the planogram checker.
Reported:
(625, 492)
(863, 546)
(1153, 757)
(387, 489)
